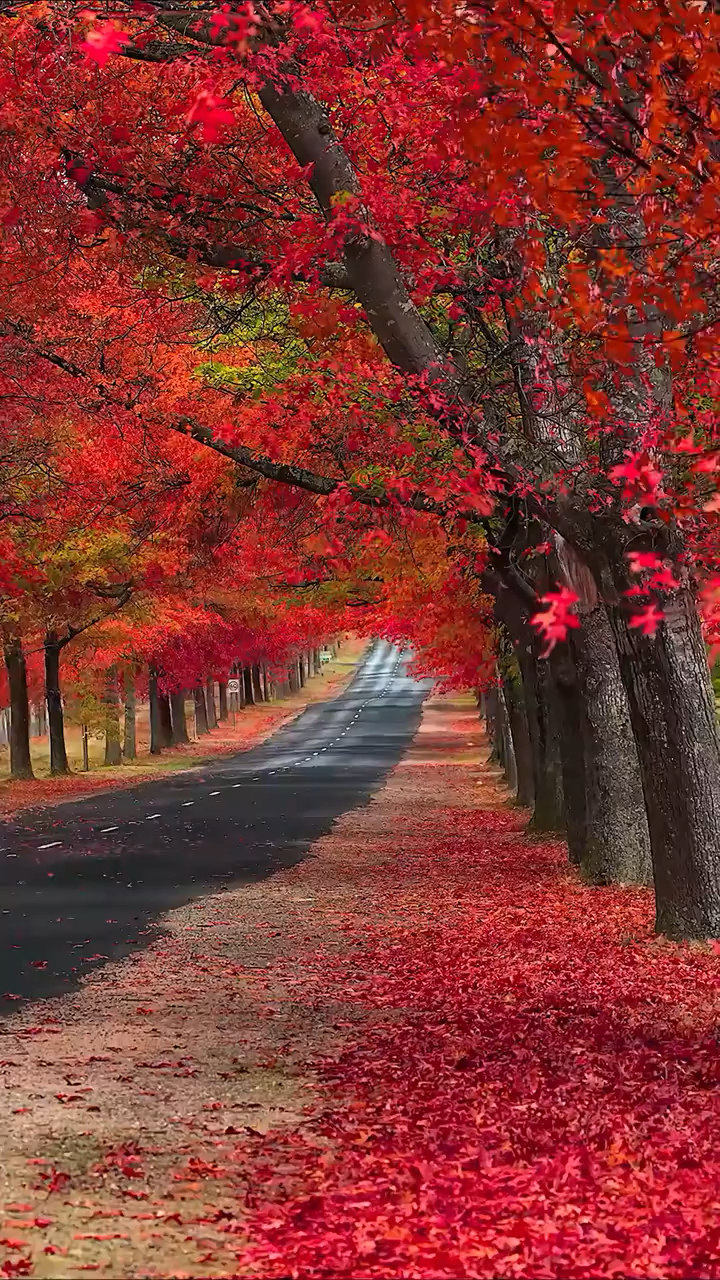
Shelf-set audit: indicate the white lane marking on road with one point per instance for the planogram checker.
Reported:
(151, 815)
(103, 830)
(236, 785)
(52, 845)
(186, 804)
(214, 793)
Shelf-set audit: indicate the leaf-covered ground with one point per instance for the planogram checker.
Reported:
(426, 1051)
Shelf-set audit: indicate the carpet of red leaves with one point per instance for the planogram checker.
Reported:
(425, 1051)
(536, 1089)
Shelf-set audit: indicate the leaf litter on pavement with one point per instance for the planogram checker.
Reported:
(428, 1050)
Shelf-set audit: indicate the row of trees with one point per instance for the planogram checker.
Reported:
(434, 286)
(104, 702)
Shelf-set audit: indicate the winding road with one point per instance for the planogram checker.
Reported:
(86, 882)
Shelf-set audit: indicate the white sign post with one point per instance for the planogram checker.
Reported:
(233, 688)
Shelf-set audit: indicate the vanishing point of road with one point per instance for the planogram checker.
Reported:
(87, 882)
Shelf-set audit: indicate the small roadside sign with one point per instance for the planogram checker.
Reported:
(325, 657)
(233, 686)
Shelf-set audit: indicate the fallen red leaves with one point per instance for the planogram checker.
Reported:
(536, 1090)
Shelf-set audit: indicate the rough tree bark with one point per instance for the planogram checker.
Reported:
(549, 810)
(129, 730)
(56, 726)
(156, 730)
(673, 715)
(210, 702)
(20, 761)
(566, 701)
(517, 716)
(257, 684)
(248, 687)
(177, 713)
(617, 841)
(201, 720)
(111, 699)
(491, 696)
(508, 760)
(223, 698)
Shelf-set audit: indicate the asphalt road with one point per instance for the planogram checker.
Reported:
(85, 882)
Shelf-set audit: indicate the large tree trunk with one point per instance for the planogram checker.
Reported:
(201, 720)
(156, 729)
(210, 702)
(507, 754)
(617, 842)
(673, 715)
(177, 711)
(111, 698)
(129, 730)
(223, 697)
(20, 762)
(567, 710)
(491, 724)
(301, 671)
(165, 717)
(56, 725)
(549, 811)
(517, 716)
(248, 687)
(257, 684)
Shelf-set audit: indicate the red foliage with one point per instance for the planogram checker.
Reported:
(535, 1089)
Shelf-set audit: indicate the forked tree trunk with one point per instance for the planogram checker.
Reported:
(20, 761)
(210, 702)
(111, 698)
(672, 709)
(517, 717)
(223, 698)
(201, 721)
(617, 841)
(248, 687)
(56, 726)
(129, 730)
(156, 730)
(177, 713)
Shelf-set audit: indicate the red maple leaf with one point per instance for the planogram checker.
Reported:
(103, 41)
